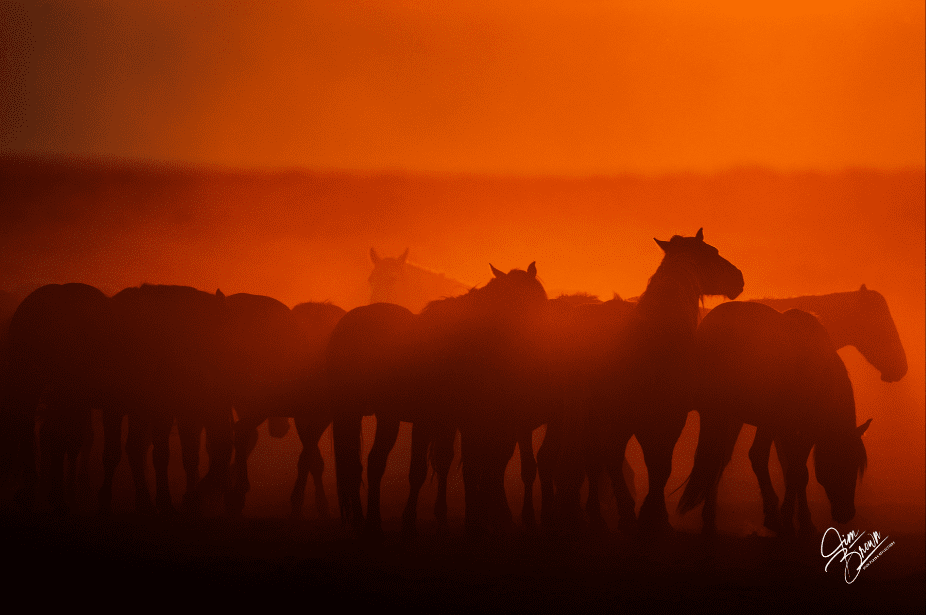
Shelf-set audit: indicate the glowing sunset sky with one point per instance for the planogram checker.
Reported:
(502, 86)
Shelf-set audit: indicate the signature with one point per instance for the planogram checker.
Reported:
(857, 553)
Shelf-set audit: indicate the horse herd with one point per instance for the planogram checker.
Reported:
(493, 364)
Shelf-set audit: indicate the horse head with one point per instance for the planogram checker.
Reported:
(388, 274)
(716, 275)
(838, 462)
(876, 337)
(515, 292)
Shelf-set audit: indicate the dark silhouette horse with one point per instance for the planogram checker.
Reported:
(485, 366)
(781, 373)
(445, 369)
(54, 353)
(167, 361)
(277, 371)
(857, 318)
(644, 386)
(395, 280)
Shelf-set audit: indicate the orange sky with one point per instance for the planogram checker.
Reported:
(505, 86)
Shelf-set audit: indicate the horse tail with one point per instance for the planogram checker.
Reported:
(716, 439)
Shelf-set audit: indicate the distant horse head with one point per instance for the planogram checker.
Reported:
(839, 461)
(715, 274)
(876, 336)
(387, 277)
(517, 290)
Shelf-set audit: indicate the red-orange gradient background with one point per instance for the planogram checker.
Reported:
(570, 133)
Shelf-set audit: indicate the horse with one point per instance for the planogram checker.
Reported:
(860, 319)
(485, 367)
(857, 318)
(53, 350)
(277, 357)
(433, 370)
(644, 385)
(781, 373)
(167, 357)
(395, 280)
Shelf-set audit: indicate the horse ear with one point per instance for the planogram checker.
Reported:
(700, 235)
(863, 288)
(662, 244)
(219, 293)
(374, 256)
(532, 269)
(404, 256)
(496, 272)
(862, 428)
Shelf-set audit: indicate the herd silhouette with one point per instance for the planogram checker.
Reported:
(491, 363)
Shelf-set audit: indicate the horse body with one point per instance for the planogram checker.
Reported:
(451, 367)
(781, 373)
(644, 385)
(277, 358)
(167, 358)
(54, 353)
(858, 318)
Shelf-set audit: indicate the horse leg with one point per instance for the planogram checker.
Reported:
(348, 468)
(528, 475)
(442, 459)
(112, 454)
(160, 436)
(245, 441)
(310, 460)
(547, 457)
(190, 430)
(472, 452)
(422, 436)
(496, 497)
(759, 454)
(219, 423)
(51, 446)
(75, 435)
(807, 529)
(20, 410)
(387, 431)
(615, 459)
(136, 449)
(793, 455)
(658, 445)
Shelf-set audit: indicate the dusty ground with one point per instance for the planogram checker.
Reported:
(223, 562)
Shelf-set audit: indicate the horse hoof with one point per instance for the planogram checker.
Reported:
(373, 533)
(528, 520)
(807, 531)
(409, 530)
(234, 503)
(143, 506)
(597, 526)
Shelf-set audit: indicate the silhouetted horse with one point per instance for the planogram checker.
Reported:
(444, 369)
(781, 373)
(167, 361)
(858, 318)
(395, 280)
(277, 357)
(645, 384)
(54, 351)
(485, 366)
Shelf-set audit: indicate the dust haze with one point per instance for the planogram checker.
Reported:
(305, 236)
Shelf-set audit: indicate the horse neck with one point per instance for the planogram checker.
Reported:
(836, 312)
(671, 297)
